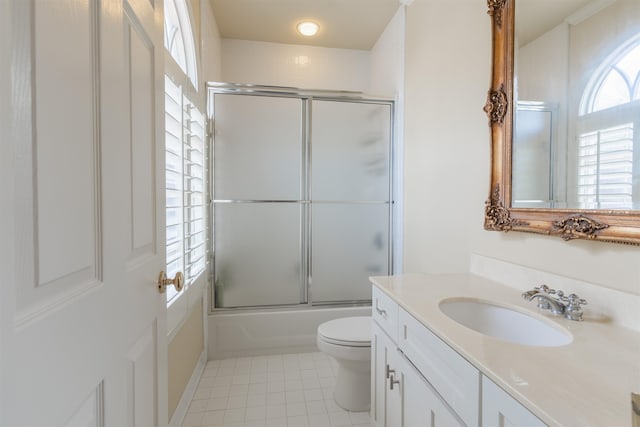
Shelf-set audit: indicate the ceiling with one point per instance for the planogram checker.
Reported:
(345, 24)
(534, 18)
(357, 24)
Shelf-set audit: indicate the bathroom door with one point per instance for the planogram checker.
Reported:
(82, 335)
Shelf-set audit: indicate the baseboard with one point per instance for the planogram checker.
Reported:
(189, 392)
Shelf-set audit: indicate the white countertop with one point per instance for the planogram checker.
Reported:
(585, 383)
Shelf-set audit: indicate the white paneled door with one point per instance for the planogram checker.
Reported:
(83, 331)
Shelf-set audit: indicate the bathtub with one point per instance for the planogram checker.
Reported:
(250, 333)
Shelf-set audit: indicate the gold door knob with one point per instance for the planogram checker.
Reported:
(177, 281)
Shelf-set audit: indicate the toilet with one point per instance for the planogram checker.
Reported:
(348, 340)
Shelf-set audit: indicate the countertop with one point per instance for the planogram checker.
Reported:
(587, 382)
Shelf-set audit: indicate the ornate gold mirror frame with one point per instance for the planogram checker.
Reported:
(621, 226)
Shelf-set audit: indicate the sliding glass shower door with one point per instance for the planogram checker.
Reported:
(301, 198)
(350, 193)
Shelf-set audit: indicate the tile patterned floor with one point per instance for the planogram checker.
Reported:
(291, 390)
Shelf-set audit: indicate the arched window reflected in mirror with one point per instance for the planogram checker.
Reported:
(607, 133)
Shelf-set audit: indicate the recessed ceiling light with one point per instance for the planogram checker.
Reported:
(307, 28)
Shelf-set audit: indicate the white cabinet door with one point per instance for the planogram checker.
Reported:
(83, 334)
(381, 349)
(420, 405)
(500, 409)
(455, 379)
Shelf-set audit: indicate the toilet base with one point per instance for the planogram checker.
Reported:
(353, 385)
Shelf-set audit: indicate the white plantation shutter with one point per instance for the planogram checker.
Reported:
(185, 184)
(605, 169)
(194, 200)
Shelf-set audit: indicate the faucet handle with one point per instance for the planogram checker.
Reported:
(544, 288)
(573, 311)
(572, 299)
(576, 300)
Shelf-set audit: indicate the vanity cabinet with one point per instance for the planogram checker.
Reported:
(383, 345)
(500, 409)
(418, 380)
(401, 397)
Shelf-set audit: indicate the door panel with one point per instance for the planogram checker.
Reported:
(56, 146)
(350, 151)
(91, 412)
(141, 95)
(258, 254)
(82, 320)
(258, 147)
(350, 243)
(65, 143)
(143, 365)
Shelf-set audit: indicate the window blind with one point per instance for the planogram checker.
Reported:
(185, 183)
(605, 168)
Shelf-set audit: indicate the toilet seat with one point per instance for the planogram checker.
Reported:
(347, 331)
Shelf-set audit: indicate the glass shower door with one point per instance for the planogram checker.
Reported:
(302, 198)
(350, 198)
(258, 188)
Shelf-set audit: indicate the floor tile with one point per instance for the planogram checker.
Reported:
(256, 400)
(256, 413)
(295, 409)
(291, 390)
(294, 396)
(298, 421)
(276, 422)
(339, 419)
(276, 411)
(277, 398)
(213, 418)
(316, 407)
(319, 420)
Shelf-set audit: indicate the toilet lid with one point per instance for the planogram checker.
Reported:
(349, 331)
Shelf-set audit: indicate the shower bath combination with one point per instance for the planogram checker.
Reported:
(302, 196)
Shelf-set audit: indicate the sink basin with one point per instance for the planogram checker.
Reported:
(504, 323)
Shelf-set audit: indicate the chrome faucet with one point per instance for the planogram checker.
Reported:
(569, 307)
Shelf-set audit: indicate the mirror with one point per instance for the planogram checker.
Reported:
(564, 113)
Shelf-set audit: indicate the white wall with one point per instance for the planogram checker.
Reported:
(308, 67)
(448, 156)
(446, 135)
(542, 66)
(387, 59)
(211, 45)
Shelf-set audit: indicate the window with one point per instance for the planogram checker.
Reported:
(617, 83)
(186, 241)
(185, 184)
(608, 144)
(178, 38)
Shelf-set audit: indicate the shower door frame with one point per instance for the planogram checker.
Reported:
(306, 96)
